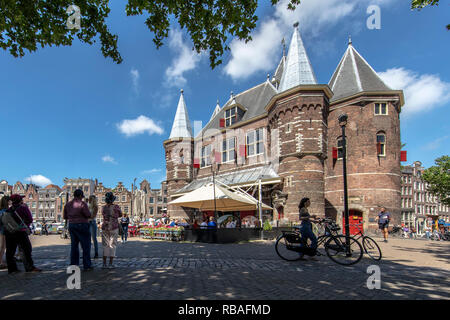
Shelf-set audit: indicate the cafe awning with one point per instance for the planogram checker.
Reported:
(226, 200)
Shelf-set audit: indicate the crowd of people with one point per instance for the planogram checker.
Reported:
(81, 219)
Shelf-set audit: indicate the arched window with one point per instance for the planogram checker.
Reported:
(381, 144)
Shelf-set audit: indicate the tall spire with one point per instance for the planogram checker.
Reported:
(181, 127)
(297, 69)
(354, 75)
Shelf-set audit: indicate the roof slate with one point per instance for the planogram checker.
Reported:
(181, 127)
(297, 69)
(354, 75)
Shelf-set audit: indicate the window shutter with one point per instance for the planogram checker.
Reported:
(335, 153)
(196, 163)
(222, 122)
(243, 150)
(402, 156)
(217, 156)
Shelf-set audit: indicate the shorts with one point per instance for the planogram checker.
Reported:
(383, 226)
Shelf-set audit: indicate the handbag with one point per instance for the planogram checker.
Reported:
(120, 229)
(11, 224)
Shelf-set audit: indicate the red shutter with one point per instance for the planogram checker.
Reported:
(335, 153)
(196, 163)
(217, 156)
(402, 156)
(242, 150)
(222, 122)
(378, 148)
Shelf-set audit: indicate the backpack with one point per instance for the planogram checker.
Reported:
(10, 224)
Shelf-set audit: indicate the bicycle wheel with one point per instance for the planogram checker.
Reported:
(321, 240)
(371, 248)
(336, 249)
(282, 248)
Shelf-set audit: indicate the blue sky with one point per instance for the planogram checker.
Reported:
(63, 109)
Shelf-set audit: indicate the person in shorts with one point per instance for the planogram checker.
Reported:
(383, 222)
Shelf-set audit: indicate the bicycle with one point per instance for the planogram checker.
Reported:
(370, 246)
(290, 245)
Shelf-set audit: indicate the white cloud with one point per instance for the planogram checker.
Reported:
(422, 92)
(39, 180)
(264, 51)
(134, 73)
(109, 159)
(139, 125)
(257, 55)
(436, 143)
(185, 60)
(154, 170)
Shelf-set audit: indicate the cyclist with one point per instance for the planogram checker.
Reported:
(306, 226)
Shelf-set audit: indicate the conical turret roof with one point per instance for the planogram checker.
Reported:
(354, 75)
(181, 127)
(297, 68)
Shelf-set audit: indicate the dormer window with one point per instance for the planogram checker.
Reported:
(230, 116)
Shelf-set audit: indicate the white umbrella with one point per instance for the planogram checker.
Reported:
(226, 200)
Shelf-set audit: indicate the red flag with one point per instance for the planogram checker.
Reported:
(402, 156)
(196, 163)
(222, 122)
(335, 153)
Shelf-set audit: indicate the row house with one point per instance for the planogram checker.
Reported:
(420, 208)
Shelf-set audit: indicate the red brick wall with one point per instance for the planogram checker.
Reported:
(372, 181)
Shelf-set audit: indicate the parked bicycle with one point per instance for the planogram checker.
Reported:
(290, 245)
(370, 246)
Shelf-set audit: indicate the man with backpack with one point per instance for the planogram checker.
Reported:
(16, 221)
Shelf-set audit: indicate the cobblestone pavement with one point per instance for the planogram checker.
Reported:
(410, 269)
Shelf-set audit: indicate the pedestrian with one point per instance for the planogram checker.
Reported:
(384, 218)
(306, 227)
(124, 222)
(93, 208)
(110, 229)
(21, 214)
(427, 231)
(413, 232)
(44, 228)
(77, 213)
(4, 205)
(212, 230)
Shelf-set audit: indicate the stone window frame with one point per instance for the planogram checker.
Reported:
(255, 142)
(379, 113)
(205, 157)
(340, 148)
(382, 143)
(226, 150)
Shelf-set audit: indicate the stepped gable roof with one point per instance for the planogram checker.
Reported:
(354, 75)
(297, 69)
(181, 127)
(253, 100)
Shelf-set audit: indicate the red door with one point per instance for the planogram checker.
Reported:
(354, 218)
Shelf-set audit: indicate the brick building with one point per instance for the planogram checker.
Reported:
(4, 188)
(281, 134)
(419, 206)
(87, 185)
(47, 206)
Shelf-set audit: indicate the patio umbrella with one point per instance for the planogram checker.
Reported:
(226, 200)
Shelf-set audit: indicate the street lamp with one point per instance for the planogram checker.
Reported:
(343, 122)
(132, 195)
